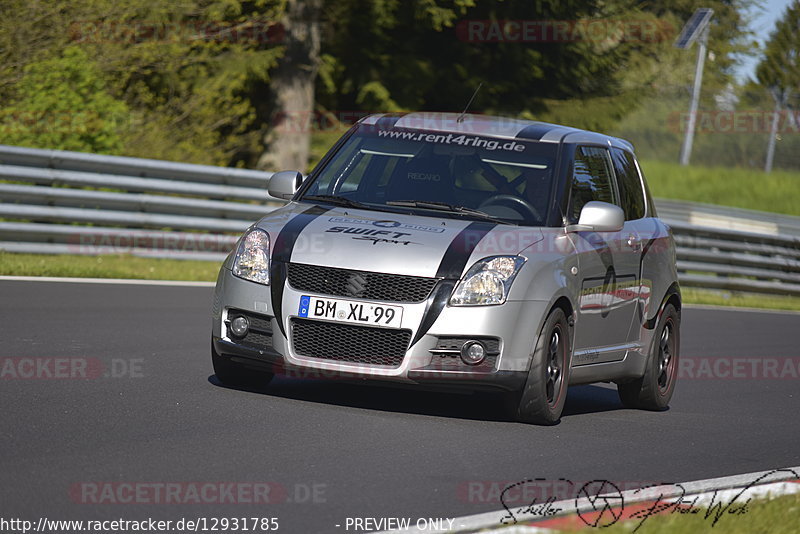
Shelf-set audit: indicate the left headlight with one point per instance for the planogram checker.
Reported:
(487, 282)
(252, 257)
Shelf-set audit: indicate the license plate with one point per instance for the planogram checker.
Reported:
(350, 311)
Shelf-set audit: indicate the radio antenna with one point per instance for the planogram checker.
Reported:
(460, 118)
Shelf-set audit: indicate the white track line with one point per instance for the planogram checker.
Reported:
(771, 481)
(118, 281)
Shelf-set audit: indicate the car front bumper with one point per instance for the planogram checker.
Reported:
(511, 328)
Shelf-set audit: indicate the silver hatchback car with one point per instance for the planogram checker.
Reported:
(459, 250)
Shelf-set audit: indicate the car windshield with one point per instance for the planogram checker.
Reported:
(471, 176)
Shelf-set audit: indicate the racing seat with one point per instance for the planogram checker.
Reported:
(422, 178)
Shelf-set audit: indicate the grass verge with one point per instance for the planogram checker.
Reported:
(121, 266)
(742, 300)
(780, 515)
(776, 192)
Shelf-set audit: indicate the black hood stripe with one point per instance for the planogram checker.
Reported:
(282, 254)
(284, 244)
(461, 248)
(450, 269)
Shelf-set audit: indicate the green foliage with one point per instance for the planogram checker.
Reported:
(417, 57)
(780, 67)
(172, 80)
(63, 104)
(191, 74)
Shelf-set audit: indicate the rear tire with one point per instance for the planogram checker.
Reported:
(233, 374)
(654, 389)
(542, 398)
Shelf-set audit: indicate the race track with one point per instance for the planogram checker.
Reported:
(328, 450)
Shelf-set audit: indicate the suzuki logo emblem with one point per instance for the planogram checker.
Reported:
(356, 284)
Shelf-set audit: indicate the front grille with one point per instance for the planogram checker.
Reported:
(349, 343)
(260, 334)
(360, 284)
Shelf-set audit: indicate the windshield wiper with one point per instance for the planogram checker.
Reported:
(339, 201)
(444, 206)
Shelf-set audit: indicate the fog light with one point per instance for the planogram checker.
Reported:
(473, 352)
(239, 326)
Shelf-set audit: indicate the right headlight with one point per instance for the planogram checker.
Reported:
(252, 257)
(487, 282)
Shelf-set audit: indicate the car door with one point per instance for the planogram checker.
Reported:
(640, 226)
(608, 265)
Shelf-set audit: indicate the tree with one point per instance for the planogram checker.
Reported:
(287, 141)
(779, 70)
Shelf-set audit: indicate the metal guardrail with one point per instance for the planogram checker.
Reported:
(713, 258)
(74, 203)
(63, 202)
(724, 217)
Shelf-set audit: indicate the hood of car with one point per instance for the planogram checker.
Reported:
(375, 241)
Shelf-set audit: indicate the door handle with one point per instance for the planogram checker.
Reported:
(633, 242)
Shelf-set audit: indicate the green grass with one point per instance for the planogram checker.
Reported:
(124, 266)
(121, 266)
(778, 191)
(776, 516)
(741, 300)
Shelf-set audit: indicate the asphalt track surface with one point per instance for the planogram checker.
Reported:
(337, 450)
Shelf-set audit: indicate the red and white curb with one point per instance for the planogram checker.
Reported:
(716, 497)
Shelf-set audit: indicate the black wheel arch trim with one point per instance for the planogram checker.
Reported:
(673, 290)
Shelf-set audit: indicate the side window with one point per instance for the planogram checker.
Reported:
(631, 193)
(591, 179)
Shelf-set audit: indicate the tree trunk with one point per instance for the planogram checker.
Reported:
(288, 138)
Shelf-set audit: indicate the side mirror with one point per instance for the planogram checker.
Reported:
(599, 216)
(284, 184)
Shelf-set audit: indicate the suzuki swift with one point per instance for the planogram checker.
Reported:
(461, 251)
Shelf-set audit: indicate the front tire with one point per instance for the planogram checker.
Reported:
(654, 390)
(542, 399)
(236, 375)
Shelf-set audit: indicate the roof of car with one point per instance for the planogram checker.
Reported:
(492, 126)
